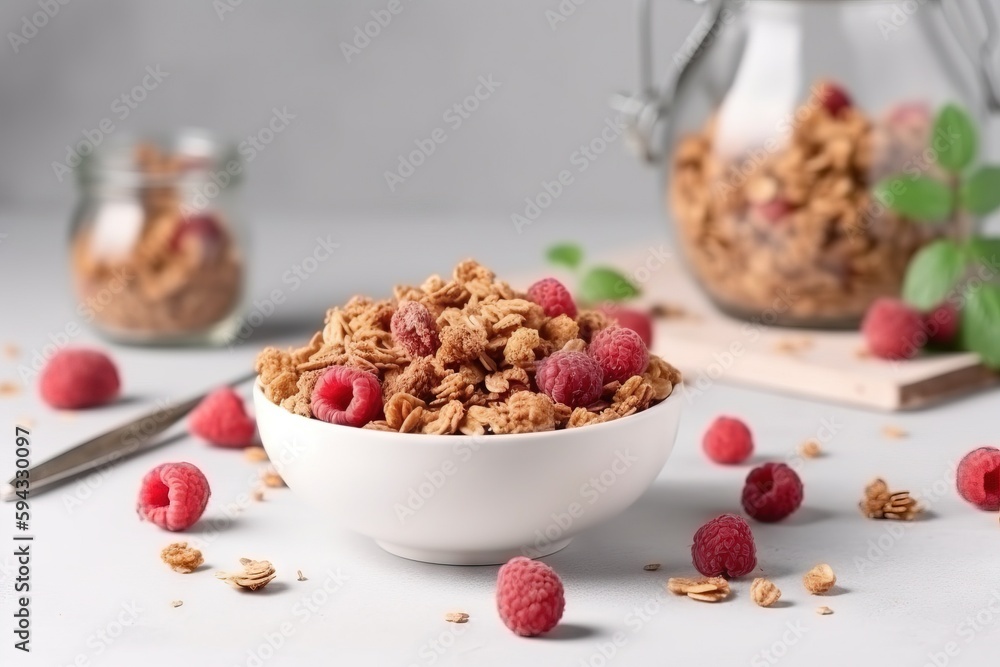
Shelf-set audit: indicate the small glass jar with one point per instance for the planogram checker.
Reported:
(157, 254)
(786, 118)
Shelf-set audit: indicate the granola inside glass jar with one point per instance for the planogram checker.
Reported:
(802, 150)
(156, 253)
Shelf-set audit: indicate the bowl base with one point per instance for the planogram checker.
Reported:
(447, 557)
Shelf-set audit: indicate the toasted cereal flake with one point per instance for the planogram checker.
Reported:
(270, 477)
(894, 432)
(8, 388)
(880, 503)
(11, 351)
(703, 589)
(176, 603)
(456, 617)
(810, 449)
(256, 574)
(255, 454)
(299, 576)
(824, 610)
(651, 567)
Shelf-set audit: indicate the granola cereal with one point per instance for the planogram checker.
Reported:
(256, 574)
(820, 579)
(763, 592)
(481, 377)
(824, 610)
(810, 449)
(792, 227)
(182, 558)
(456, 617)
(880, 503)
(703, 589)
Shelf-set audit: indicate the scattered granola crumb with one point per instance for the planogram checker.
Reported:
(257, 494)
(11, 351)
(862, 352)
(652, 567)
(299, 576)
(824, 610)
(8, 388)
(894, 432)
(176, 603)
(182, 558)
(820, 579)
(810, 449)
(256, 574)
(880, 503)
(456, 617)
(270, 477)
(704, 589)
(764, 592)
(255, 454)
(793, 345)
(667, 311)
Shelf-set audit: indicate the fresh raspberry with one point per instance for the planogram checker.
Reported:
(222, 419)
(941, 324)
(553, 297)
(78, 378)
(728, 440)
(773, 210)
(173, 496)
(979, 478)
(639, 321)
(772, 492)
(347, 396)
(724, 546)
(833, 98)
(893, 330)
(413, 327)
(570, 377)
(620, 352)
(529, 596)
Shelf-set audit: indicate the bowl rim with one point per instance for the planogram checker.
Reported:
(499, 438)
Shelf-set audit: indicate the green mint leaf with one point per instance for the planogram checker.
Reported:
(566, 254)
(984, 258)
(921, 198)
(980, 194)
(606, 284)
(954, 138)
(932, 273)
(981, 322)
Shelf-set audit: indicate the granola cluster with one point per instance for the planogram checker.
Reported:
(795, 222)
(480, 379)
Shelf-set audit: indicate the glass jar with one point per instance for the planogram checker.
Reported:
(157, 255)
(785, 119)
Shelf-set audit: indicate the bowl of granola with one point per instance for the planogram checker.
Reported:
(463, 422)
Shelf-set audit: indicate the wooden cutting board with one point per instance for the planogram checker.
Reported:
(711, 347)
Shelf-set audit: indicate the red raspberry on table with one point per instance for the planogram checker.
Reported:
(221, 419)
(553, 297)
(979, 478)
(893, 330)
(79, 378)
(620, 352)
(347, 396)
(728, 440)
(941, 324)
(570, 377)
(724, 546)
(530, 596)
(413, 327)
(173, 496)
(772, 492)
(833, 98)
(639, 321)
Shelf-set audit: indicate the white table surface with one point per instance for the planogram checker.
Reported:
(907, 595)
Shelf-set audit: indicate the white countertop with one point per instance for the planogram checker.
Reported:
(908, 594)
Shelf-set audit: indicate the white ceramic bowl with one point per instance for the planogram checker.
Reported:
(469, 500)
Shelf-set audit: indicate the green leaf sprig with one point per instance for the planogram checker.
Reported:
(598, 283)
(963, 273)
